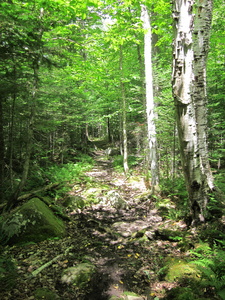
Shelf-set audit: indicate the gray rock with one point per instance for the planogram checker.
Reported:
(79, 275)
(74, 202)
(115, 200)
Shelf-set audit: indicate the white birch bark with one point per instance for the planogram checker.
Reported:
(192, 21)
(124, 116)
(152, 140)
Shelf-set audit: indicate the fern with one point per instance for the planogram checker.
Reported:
(212, 268)
(8, 273)
(11, 227)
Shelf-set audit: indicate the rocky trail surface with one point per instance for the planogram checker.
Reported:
(124, 236)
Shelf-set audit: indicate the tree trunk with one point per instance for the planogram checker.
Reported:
(124, 113)
(2, 152)
(192, 21)
(152, 140)
(109, 130)
(11, 128)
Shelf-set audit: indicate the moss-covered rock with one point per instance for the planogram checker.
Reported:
(32, 222)
(74, 202)
(114, 199)
(180, 269)
(79, 276)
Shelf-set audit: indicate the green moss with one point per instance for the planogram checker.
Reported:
(74, 202)
(179, 269)
(47, 200)
(79, 276)
(38, 223)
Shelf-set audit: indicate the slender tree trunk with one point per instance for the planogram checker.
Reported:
(192, 21)
(124, 115)
(2, 152)
(152, 140)
(11, 128)
(109, 130)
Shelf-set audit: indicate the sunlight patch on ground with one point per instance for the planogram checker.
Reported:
(97, 173)
(119, 181)
(137, 183)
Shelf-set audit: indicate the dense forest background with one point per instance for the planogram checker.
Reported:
(78, 150)
(61, 85)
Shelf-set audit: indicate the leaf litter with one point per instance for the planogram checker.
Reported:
(125, 244)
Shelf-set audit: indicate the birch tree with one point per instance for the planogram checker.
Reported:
(192, 22)
(151, 128)
(124, 119)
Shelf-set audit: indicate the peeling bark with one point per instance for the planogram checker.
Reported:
(192, 22)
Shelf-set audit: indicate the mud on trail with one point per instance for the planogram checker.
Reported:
(123, 235)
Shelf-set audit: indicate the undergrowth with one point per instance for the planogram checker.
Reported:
(60, 172)
(118, 162)
(211, 264)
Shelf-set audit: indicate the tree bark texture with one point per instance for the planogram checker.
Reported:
(152, 140)
(192, 22)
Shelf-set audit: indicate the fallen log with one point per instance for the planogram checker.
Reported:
(43, 189)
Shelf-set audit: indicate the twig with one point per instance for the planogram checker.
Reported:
(49, 263)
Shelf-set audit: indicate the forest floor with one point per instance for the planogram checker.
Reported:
(128, 245)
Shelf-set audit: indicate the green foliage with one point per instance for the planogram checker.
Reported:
(174, 188)
(11, 227)
(33, 221)
(182, 293)
(216, 206)
(66, 172)
(118, 162)
(174, 201)
(202, 275)
(69, 172)
(8, 274)
(211, 264)
(220, 180)
(77, 49)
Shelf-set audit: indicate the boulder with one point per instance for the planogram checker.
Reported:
(74, 202)
(79, 276)
(179, 269)
(114, 199)
(32, 222)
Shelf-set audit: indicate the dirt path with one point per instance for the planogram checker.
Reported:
(121, 236)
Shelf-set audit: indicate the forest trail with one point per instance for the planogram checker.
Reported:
(124, 236)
